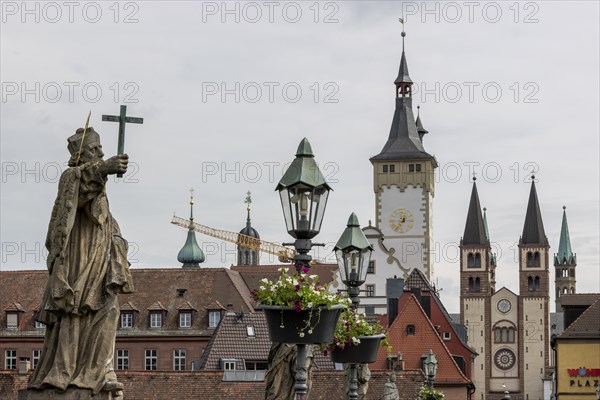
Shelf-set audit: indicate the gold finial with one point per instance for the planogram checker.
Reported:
(403, 34)
(191, 196)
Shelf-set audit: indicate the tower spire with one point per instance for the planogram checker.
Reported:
(475, 228)
(565, 253)
(191, 255)
(533, 229)
(404, 140)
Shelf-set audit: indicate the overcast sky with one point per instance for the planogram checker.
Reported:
(228, 91)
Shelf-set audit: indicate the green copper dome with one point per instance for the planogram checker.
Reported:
(191, 255)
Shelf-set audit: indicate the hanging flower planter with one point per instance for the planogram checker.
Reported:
(298, 309)
(310, 326)
(363, 352)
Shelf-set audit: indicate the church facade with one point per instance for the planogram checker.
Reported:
(510, 330)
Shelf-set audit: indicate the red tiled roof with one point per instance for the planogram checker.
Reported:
(413, 347)
(155, 288)
(209, 385)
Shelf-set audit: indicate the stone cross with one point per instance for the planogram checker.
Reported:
(122, 119)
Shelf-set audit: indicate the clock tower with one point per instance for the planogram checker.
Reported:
(403, 175)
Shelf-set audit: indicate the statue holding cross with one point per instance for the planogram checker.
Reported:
(88, 268)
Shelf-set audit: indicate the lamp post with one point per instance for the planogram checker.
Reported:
(430, 364)
(353, 253)
(303, 192)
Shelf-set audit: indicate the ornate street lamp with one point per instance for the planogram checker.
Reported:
(303, 192)
(430, 364)
(353, 253)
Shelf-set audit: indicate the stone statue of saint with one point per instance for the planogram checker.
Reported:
(280, 378)
(390, 391)
(88, 267)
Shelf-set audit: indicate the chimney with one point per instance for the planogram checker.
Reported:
(24, 366)
(394, 288)
(230, 309)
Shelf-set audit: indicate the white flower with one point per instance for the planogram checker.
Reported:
(301, 334)
(355, 340)
(264, 280)
(262, 288)
(309, 305)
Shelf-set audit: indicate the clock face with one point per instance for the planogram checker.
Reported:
(401, 220)
(504, 359)
(504, 306)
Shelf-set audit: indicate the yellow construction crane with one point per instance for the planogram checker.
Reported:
(285, 254)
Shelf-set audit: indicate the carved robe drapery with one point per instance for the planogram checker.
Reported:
(88, 267)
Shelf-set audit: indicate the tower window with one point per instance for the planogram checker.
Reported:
(418, 167)
(385, 168)
(392, 168)
(411, 167)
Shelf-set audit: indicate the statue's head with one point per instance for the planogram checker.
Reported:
(392, 377)
(91, 149)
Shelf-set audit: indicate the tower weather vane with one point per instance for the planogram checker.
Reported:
(122, 119)
(248, 199)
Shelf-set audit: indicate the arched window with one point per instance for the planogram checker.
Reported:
(477, 284)
(471, 285)
(572, 272)
(529, 283)
(572, 290)
(565, 290)
(470, 260)
(478, 260)
(533, 259)
(504, 332)
(536, 283)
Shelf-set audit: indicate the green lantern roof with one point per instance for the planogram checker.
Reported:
(353, 236)
(303, 170)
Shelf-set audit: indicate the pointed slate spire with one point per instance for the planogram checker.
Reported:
(403, 76)
(420, 130)
(475, 231)
(485, 224)
(404, 141)
(533, 230)
(564, 246)
(191, 255)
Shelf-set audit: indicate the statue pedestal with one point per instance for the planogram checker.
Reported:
(70, 394)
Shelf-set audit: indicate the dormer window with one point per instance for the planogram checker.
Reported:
(12, 320)
(185, 319)
(126, 320)
(214, 316)
(156, 319)
(410, 330)
(13, 316)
